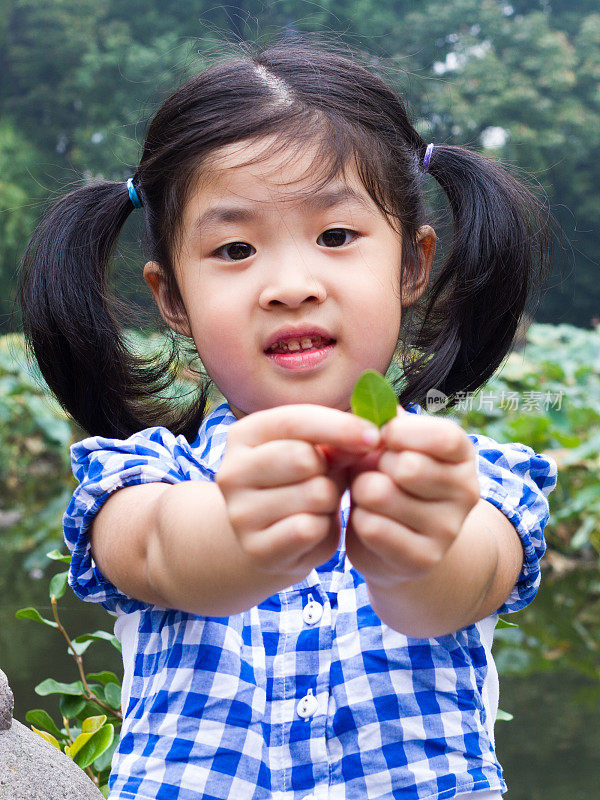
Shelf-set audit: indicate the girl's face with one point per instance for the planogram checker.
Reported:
(264, 260)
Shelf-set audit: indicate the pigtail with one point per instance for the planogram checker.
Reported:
(70, 318)
(500, 251)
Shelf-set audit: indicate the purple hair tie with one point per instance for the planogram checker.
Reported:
(427, 158)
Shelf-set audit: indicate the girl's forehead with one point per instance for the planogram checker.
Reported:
(269, 168)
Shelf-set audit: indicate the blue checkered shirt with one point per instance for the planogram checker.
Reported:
(307, 694)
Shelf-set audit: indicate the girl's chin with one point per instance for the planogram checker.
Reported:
(288, 399)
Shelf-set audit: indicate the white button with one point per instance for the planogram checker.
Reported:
(308, 705)
(312, 612)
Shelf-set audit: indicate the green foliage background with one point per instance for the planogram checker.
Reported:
(80, 78)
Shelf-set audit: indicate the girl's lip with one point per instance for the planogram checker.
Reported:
(302, 360)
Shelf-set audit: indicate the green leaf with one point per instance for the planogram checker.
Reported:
(503, 715)
(71, 706)
(56, 555)
(112, 693)
(42, 719)
(99, 636)
(373, 398)
(32, 613)
(93, 724)
(104, 760)
(47, 736)
(104, 677)
(50, 686)
(79, 647)
(104, 790)
(94, 745)
(502, 623)
(91, 708)
(58, 584)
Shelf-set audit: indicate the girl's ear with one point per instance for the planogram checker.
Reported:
(175, 317)
(426, 241)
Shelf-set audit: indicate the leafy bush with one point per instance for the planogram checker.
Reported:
(90, 708)
(35, 435)
(548, 397)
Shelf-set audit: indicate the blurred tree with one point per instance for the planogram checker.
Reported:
(19, 196)
(79, 79)
(528, 94)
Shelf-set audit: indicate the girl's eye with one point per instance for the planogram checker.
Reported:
(236, 251)
(336, 237)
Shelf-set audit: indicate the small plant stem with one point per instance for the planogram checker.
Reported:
(79, 661)
(88, 771)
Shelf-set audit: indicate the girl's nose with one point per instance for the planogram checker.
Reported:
(291, 283)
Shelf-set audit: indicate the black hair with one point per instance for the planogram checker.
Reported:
(460, 330)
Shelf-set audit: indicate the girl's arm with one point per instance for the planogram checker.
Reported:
(172, 545)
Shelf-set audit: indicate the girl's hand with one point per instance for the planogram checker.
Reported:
(282, 505)
(410, 498)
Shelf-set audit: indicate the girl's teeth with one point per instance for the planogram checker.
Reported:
(293, 345)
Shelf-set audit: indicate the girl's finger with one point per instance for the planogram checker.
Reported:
(313, 538)
(425, 477)
(276, 463)
(257, 511)
(311, 423)
(376, 493)
(389, 547)
(440, 438)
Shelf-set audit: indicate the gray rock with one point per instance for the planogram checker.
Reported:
(6, 703)
(33, 769)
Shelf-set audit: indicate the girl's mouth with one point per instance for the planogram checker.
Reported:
(300, 354)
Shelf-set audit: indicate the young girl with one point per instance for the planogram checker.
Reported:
(306, 604)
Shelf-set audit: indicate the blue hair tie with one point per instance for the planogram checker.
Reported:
(133, 195)
(427, 158)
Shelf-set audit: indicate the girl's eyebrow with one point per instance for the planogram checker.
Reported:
(248, 213)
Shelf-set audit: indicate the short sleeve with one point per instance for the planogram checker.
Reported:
(518, 481)
(102, 466)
